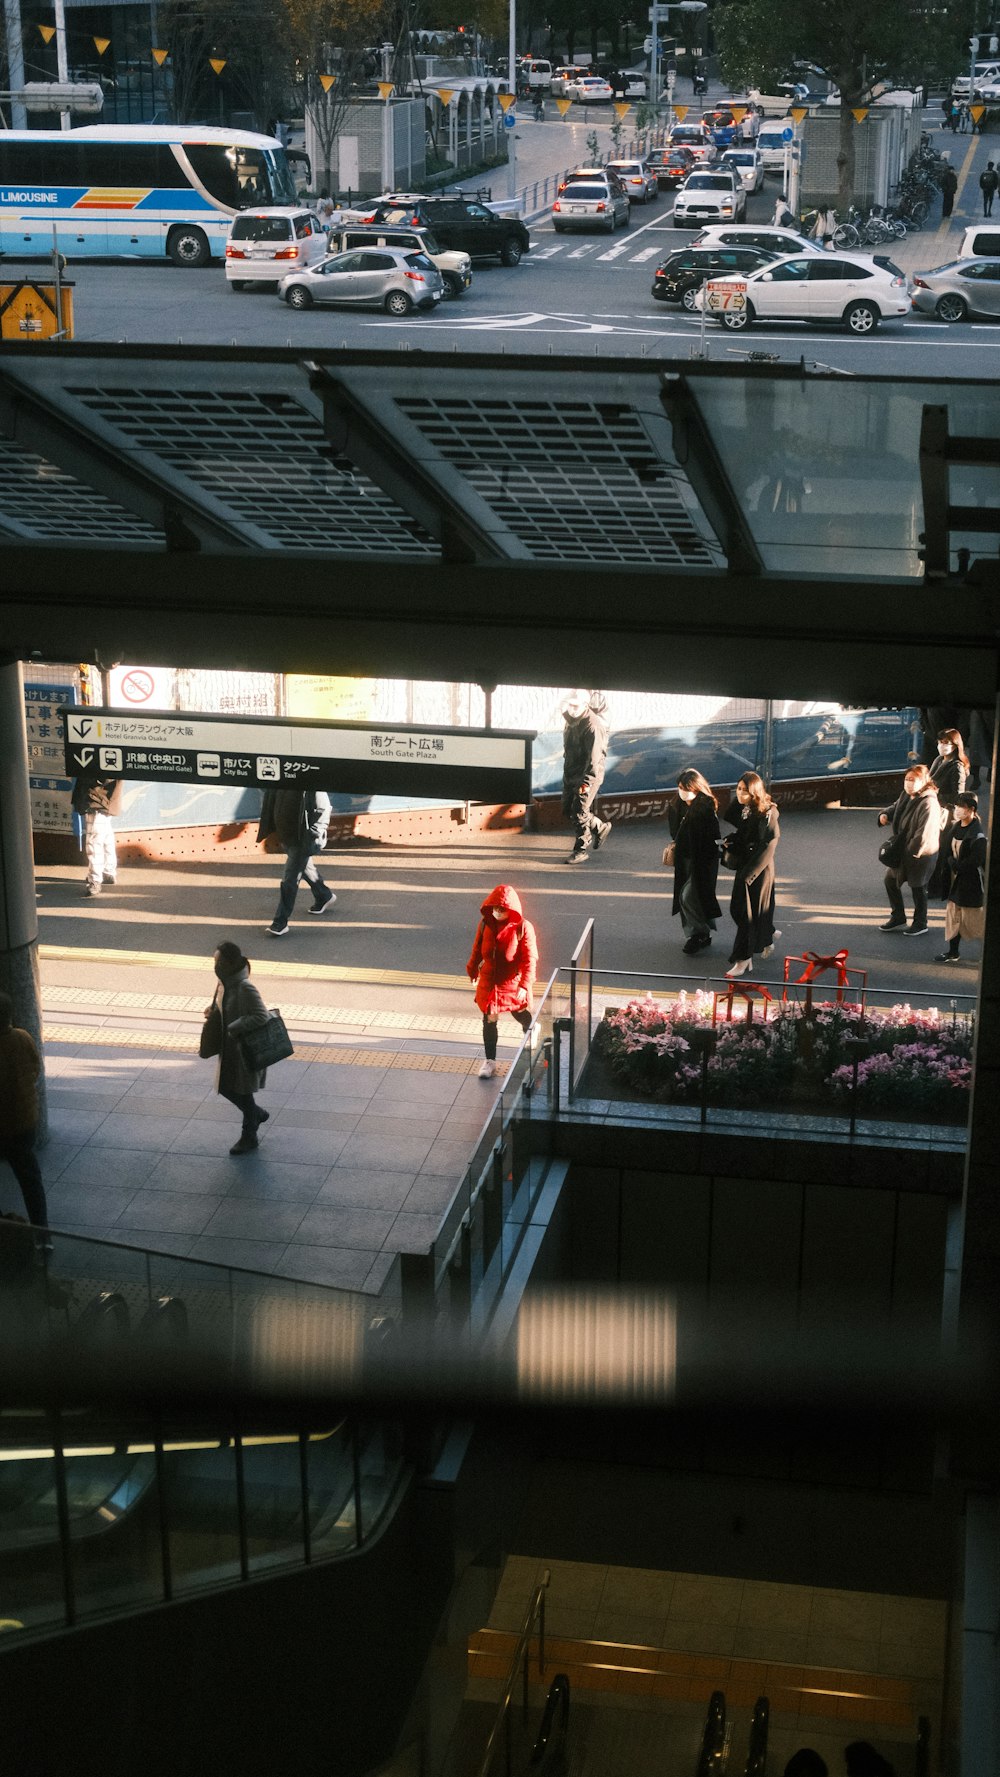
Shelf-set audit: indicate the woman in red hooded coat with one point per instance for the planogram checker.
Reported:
(502, 965)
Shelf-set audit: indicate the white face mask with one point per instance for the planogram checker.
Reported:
(686, 795)
(499, 914)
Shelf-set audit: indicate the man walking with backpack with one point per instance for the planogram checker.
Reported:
(988, 183)
(300, 818)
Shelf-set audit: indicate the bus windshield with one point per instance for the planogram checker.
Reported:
(242, 178)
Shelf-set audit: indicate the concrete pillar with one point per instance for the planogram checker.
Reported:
(18, 911)
(15, 60)
(980, 1658)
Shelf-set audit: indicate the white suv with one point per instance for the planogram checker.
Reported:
(263, 246)
(710, 194)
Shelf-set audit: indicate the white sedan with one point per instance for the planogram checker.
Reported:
(747, 165)
(818, 287)
(589, 90)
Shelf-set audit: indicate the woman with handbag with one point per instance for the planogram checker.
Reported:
(694, 854)
(911, 854)
(949, 775)
(750, 852)
(965, 849)
(236, 1008)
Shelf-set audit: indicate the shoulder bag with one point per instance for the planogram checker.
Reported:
(210, 1042)
(266, 1044)
(891, 852)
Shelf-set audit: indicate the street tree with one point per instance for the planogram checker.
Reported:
(331, 41)
(855, 44)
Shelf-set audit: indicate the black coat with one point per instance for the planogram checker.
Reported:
(948, 777)
(294, 814)
(918, 820)
(93, 793)
(965, 850)
(752, 847)
(585, 751)
(696, 852)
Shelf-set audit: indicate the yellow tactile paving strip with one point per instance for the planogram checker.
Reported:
(804, 1691)
(95, 999)
(278, 967)
(183, 1042)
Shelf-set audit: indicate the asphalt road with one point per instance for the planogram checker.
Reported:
(580, 293)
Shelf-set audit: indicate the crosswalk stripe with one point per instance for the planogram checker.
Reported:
(614, 252)
(581, 252)
(647, 253)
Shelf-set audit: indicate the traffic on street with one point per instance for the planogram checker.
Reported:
(581, 288)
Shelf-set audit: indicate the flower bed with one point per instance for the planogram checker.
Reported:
(913, 1063)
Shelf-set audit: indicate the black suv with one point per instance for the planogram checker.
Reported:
(457, 223)
(678, 277)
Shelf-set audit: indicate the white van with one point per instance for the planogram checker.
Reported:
(981, 241)
(538, 75)
(265, 245)
(771, 146)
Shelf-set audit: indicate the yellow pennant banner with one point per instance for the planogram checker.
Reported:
(384, 88)
(563, 105)
(622, 111)
(798, 112)
(680, 112)
(160, 56)
(445, 94)
(976, 112)
(217, 63)
(859, 115)
(737, 113)
(101, 44)
(505, 101)
(326, 81)
(48, 32)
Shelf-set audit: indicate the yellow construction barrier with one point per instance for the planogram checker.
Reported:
(32, 311)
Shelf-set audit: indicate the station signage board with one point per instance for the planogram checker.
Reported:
(360, 758)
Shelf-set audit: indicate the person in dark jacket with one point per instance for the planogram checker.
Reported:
(301, 819)
(916, 818)
(949, 186)
(96, 798)
(964, 847)
(949, 775)
(750, 851)
(20, 1067)
(694, 854)
(503, 965)
(238, 1007)
(585, 752)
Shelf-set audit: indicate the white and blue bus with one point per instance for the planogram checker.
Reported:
(141, 191)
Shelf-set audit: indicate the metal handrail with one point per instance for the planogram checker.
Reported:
(536, 1611)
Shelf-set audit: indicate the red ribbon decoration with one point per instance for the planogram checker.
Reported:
(818, 965)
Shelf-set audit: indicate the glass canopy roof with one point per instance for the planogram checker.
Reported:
(684, 468)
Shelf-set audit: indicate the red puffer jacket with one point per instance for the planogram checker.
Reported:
(504, 956)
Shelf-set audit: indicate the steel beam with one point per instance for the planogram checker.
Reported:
(857, 641)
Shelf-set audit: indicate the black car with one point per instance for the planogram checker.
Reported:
(466, 226)
(678, 277)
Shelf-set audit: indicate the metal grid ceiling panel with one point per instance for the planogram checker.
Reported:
(44, 502)
(574, 480)
(264, 456)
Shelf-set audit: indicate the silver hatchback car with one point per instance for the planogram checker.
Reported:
(389, 278)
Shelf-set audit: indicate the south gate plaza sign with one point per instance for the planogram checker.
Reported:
(359, 758)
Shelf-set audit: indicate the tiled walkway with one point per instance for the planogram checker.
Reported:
(366, 1143)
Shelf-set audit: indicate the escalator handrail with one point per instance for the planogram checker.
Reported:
(557, 1700)
(713, 1739)
(535, 1612)
(756, 1764)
